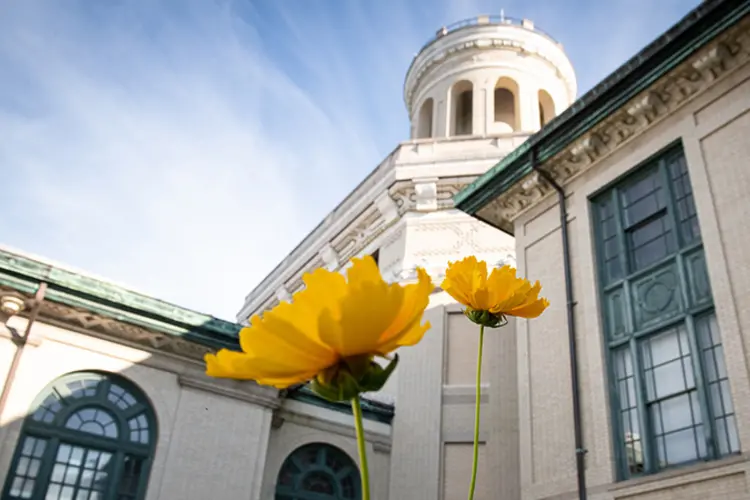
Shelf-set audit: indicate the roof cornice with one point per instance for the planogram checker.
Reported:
(664, 75)
(82, 292)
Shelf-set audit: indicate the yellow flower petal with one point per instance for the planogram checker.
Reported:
(330, 319)
(237, 365)
(406, 328)
(368, 309)
(500, 293)
(532, 310)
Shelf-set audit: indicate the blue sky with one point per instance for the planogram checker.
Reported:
(184, 147)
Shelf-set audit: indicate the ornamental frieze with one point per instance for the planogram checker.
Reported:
(78, 319)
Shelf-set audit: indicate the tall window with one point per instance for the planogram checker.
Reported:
(670, 392)
(89, 436)
(318, 472)
(462, 95)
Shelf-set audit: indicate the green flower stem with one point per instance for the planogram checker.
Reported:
(357, 411)
(476, 415)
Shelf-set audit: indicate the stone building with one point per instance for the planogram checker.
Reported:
(637, 373)
(650, 171)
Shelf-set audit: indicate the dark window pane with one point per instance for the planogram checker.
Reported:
(318, 470)
(642, 198)
(128, 485)
(649, 243)
(685, 205)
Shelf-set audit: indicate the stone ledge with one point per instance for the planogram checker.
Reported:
(248, 392)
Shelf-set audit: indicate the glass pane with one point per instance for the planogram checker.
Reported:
(610, 246)
(139, 429)
(131, 474)
(78, 472)
(650, 242)
(319, 482)
(83, 388)
(318, 470)
(719, 394)
(667, 364)
(684, 203)
(93, 421)
(27, 468)
(120, 397)
(47, 409)
(628, 410)
(642, 197)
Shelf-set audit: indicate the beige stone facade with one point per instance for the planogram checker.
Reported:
(700, 110)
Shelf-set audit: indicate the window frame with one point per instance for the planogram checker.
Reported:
(322, 450)
(56, 433)
(633, 338)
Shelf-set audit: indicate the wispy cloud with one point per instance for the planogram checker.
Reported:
(185, 147)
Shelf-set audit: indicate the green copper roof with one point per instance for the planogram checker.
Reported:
(25, 274)
(702, 24)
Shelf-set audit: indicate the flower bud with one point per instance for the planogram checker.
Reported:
(351, 377)
(485, 318)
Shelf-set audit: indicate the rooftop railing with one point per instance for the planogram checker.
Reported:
(489, 20)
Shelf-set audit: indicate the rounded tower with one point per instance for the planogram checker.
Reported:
(487, 76)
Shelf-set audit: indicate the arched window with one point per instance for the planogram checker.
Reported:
(546, 107)
(88, 436)
(504, 97)
(462, 96)
(318, 472)
(424, 127)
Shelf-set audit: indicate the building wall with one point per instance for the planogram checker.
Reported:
(713, 128)
(213, 435)
(434, 423)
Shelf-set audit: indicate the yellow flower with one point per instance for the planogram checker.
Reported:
(490, 299)
(331, 331)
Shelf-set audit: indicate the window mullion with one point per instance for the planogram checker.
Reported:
(707, 417)
(45, 468)
(641, 402)
(670, 205)
(115, 473)
(620, 230)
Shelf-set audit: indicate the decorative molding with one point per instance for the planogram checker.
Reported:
(437, 271)
(82, 320)
(425, 198)
(661, 100)
(283, 294)
(329, 256)
(247, 391)
(286, 415)
(430, 61)
(370, 224)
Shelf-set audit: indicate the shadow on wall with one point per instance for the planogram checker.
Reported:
(88, 434)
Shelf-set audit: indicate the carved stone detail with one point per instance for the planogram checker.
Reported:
(401, 198)
(79, 319)
(426, 195)
(329, 256)
(667, 95)
(482, 45)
